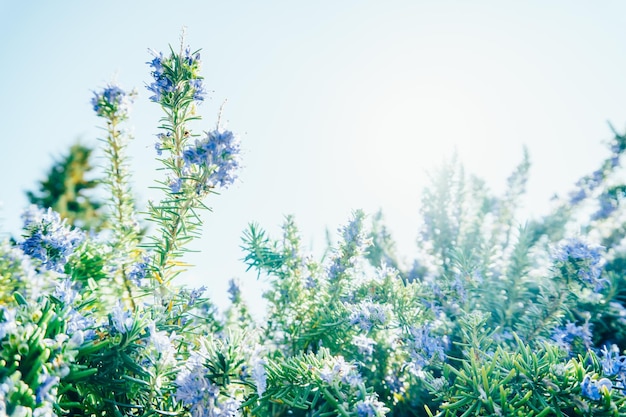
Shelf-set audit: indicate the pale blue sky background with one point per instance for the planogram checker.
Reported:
(340, 104)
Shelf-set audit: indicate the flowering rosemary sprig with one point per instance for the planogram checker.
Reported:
(193, 170)
(113, 104)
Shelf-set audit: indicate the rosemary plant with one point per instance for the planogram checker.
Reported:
(493, 315)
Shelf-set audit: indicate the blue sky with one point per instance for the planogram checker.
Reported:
(340, 105)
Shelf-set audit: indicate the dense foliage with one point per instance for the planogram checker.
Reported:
(491, 317)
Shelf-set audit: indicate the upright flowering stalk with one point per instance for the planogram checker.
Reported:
(113, 104)
(193, 169)
(353, 245)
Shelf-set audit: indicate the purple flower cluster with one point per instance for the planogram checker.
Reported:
(162, 342)
(80, 327)
(370, 407)
(45, 391)
(586, 185)
(367, 314)
(571, 336)
(577, 195)
(196, 391)
(576, 248)
(162, 84)
(121, 318)
(176, 185)
(48, 238)
(64, 291)
(234, 291)
(194, 295)
(139, 270)
(355, 242)
(112, 102)
(614, 364)
(227, 408)
(218, 154)
(354, 234)
(176, 74)
(608, 205)
(340, 371)
(585, 258)
(593, 389)
(424, 349)
(260, 376)
(364, 345)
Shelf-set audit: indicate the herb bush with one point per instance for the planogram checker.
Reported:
(493, 317)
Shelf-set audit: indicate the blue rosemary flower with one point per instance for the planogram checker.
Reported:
(576, 248)
(615, 161)
(234, 291)
(338, 267)
(163, 143)
(371, 407)
(218, 156)
(113, 102)
(194, 295)
(395, 384)
(614, 364)
(227, 408)
(78, 323)
(367, 314)
(340, 370)
(573, 338)
(596, 177)
(354, 233)
(198, 89)
(176, 77)
(195, 390)
(163, 83)
(582, 258)
(586, 185)
(160, 339)
(175, 185)
(162, 343)
(459, 287)
(45, 391)
(617, 146)
(354, 243)
(364, 345)
(439, 384)
(65, 292)
(121, 319)
(260, 376)
(139, 270)
(577, 196)
(48, 238)
(607, 207)
(424, 349)
(310, 282)
(593, 389)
